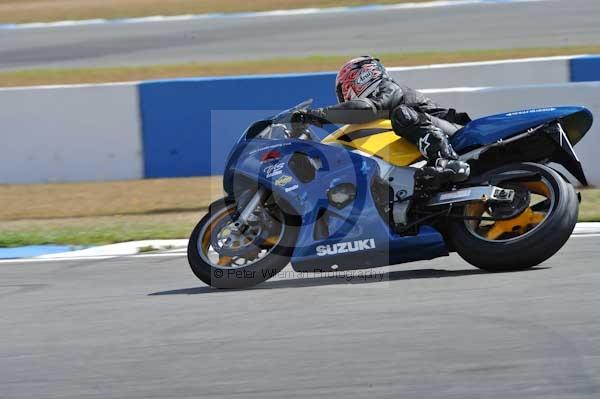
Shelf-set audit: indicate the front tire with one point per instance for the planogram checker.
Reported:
(223, 271)
(528, 239)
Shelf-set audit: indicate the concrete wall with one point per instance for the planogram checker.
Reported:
(70, 134)
(480, 74)
(191, 134)
(186, 127)
(189, 124)
(530, 71)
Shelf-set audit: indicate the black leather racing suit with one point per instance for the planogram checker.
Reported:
(414, 117)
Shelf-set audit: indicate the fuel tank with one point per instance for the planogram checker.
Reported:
(376, 139)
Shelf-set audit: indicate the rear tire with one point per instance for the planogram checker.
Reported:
(531, 248)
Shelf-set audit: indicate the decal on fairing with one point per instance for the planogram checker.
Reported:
(283, 180)
(531, 111)
(270, 147)
(346, 247)
(274, 170)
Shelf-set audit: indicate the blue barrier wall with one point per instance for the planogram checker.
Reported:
(585, 69)
(185, 130)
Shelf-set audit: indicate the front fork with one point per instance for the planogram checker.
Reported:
(247, 213)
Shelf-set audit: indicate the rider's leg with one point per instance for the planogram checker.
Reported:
(429, 136)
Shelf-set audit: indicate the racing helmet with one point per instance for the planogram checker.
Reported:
(359, 78)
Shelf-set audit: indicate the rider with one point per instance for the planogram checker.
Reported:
(366, 92)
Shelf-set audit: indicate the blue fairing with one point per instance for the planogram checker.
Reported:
(357, 236)
(493, 128)
(357, 222)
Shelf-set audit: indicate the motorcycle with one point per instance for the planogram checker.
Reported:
(355, 199)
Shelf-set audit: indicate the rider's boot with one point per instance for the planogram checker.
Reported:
(442, 161)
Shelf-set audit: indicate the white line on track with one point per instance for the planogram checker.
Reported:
(274, 13)
(170, 254)
(584, 235)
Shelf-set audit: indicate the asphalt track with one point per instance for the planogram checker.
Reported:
(480, 26)
(144, 327)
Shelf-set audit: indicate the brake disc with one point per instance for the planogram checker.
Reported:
(233, 240)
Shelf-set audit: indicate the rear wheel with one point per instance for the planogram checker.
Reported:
(224, 254)
(534, 227)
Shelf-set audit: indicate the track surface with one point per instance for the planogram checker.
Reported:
(547, 23)
(143, 327)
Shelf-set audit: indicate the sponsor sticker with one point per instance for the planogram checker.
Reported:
(270, 147)
(283, 180)
(274, 170)
(270, 156)
(292, 188)
(530, 111)
(364, 77)
(346, 247)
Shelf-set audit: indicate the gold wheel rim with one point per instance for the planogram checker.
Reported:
(516, 227)
(229, 261)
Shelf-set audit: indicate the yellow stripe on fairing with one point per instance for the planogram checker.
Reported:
(386, 145)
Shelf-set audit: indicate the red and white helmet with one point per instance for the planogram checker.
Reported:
(359, 78)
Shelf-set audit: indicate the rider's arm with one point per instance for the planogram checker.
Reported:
(355, 111)
(378, 106)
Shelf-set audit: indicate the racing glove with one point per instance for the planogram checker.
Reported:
(308, 117)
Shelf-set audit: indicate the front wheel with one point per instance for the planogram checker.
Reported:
(534, 226)
(224, 255)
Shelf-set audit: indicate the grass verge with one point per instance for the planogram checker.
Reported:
(103, 213)
(81, 200)
(589, 209)
(19, 11)
(98, 230)
(314, 63)
(106, 213)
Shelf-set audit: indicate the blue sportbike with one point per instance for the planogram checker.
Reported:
(355, 199)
